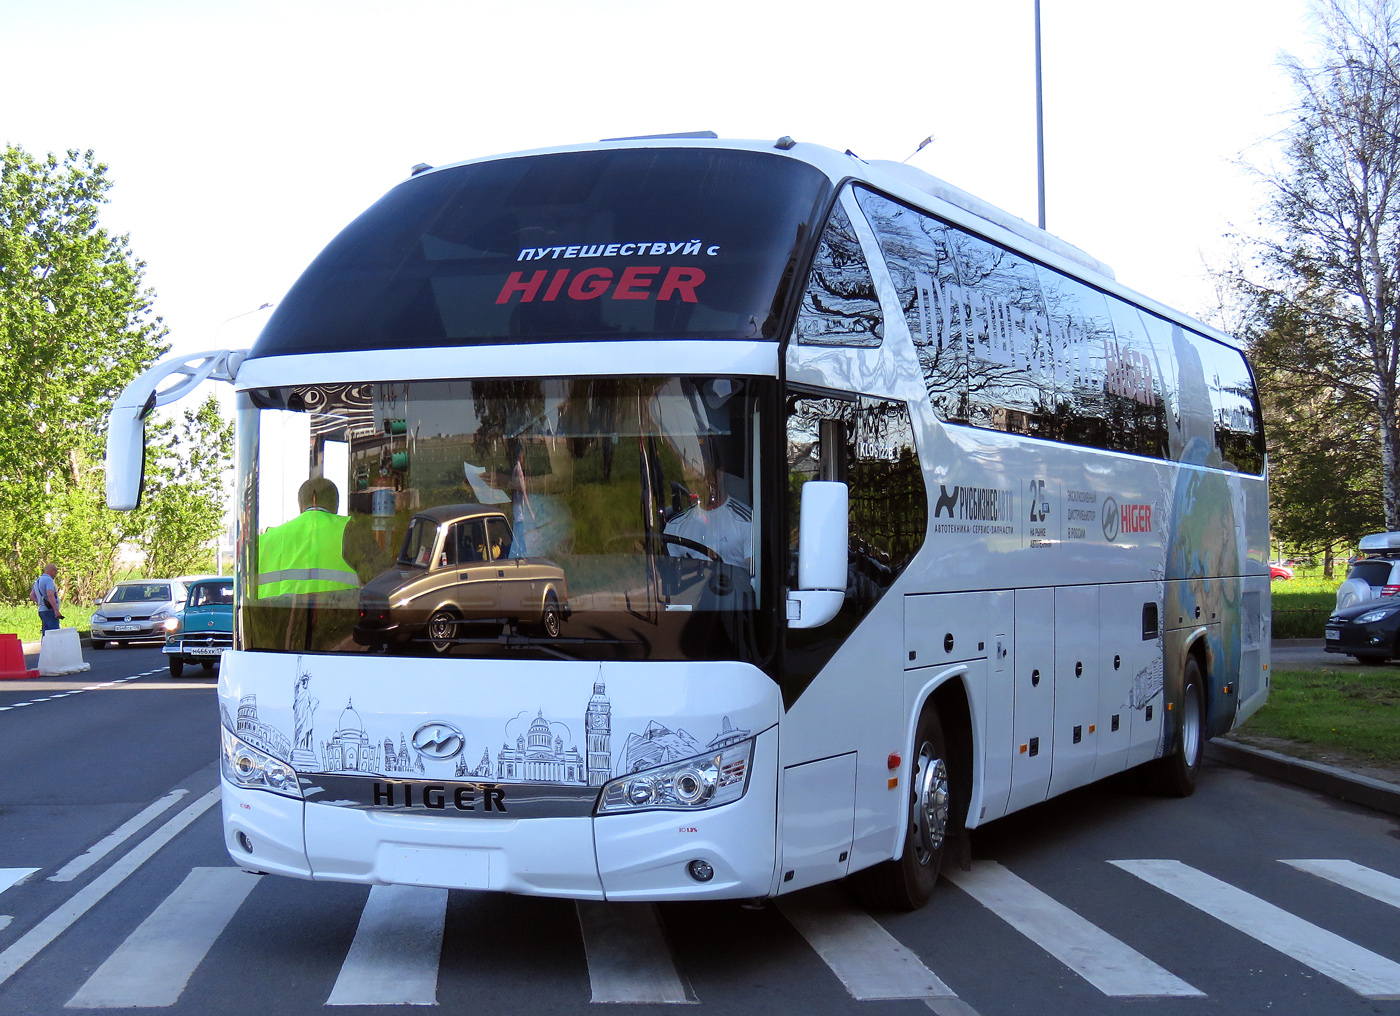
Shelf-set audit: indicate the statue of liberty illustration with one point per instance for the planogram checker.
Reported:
(303, 712)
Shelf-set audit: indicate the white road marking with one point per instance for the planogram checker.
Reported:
(1110, 965)
(50, 686)
(14, 876)
(112, 840)
(629, 957)
(28, 945)
(870, 962)
(153, 965)
(1361, 970)
(397, 949)
(5, 920)
(1367, 881)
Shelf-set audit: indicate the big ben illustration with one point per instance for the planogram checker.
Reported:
(598, 728)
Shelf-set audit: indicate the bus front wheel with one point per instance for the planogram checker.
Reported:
(1174, 774)
(907, 882)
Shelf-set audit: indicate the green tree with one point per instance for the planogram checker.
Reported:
(76, 325)
(1324, 455)
(182, 508)
(1333, 261)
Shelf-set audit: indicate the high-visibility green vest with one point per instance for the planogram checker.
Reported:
(303, 556)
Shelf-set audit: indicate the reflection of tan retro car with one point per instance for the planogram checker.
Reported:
(455, 572)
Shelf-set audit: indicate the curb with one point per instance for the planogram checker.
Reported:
(1325, 779)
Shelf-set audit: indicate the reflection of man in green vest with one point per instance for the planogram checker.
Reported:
(304, 555)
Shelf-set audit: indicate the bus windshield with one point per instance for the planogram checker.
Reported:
(591, 518)
(577, 246)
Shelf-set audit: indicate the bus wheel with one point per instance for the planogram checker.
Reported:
(177, 665)
(442, 630)
(907, 882)
(1174, 775)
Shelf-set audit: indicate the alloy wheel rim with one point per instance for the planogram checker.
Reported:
(1191, 727)
(931, 805)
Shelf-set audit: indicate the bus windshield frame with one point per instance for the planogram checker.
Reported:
(456, 511)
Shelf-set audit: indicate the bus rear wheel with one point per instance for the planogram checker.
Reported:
(1174, 775)
(907, 882)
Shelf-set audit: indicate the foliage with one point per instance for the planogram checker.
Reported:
(75, 327)
(1333, 263)
(182, 508)
(1350, 709)
(23, 620)
(1302, 605)
(1325, 472)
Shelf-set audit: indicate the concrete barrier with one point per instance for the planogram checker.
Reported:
(61, 652)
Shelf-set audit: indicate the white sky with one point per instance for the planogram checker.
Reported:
(242, 136)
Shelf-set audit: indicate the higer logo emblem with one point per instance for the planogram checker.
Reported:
(438, 740)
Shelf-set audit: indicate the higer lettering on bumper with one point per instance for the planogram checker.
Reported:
(566, 779)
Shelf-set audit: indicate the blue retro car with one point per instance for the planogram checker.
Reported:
(203, 629)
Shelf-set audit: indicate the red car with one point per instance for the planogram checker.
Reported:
(1278, 571)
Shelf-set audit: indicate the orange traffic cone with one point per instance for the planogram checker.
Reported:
(12, 660)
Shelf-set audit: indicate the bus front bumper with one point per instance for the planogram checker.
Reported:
(640, 856)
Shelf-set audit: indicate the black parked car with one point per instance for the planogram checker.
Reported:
(1367, 631)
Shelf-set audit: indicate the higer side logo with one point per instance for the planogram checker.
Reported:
(1126, 518)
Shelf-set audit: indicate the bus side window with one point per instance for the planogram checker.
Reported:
(840, 306)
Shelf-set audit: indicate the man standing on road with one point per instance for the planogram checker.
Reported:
(44, 593)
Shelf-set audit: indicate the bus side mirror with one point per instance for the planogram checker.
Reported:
(126, 426)
(823, 539)
(126, 458)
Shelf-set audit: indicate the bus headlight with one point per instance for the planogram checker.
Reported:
(705, 781)
(246, 766)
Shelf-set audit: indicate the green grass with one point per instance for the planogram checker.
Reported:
(1355, 711)
(23, 620)
(1302, 603)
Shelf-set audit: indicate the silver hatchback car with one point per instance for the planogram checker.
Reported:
(136, 610)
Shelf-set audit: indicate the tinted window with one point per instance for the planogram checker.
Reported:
(1009, 344)
(584, 245)
(839, 305)
(1374, 573)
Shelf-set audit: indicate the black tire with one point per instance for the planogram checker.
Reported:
(206, 664)
(1370, 659)
(99, 644)
(907, 882)
(177, 665)
(551, 620)
(442, 630)
(1174, 774)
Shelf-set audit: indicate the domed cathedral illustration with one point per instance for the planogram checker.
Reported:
(539, 757)
(597, 722)
(257, 733)
(349, 749)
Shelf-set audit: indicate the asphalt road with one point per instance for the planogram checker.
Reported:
(1102, 901)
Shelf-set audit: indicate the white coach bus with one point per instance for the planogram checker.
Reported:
(678, 518)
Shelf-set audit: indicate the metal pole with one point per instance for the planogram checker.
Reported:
(1039, 122)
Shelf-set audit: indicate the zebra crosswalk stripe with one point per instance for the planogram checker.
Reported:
(1367, 881)
(870, 962)
(397, 949)
(1365, 972)
(629, 959)
(1113, 967)
(153, 965)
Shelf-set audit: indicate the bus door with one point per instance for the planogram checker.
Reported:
(1076, 687)
(1033, 725)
